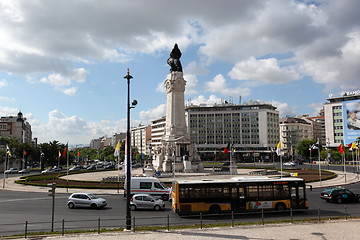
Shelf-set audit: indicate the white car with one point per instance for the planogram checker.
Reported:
(290, 164)
(25, 170)
(12, 170)
(146, 201)
(85, 200)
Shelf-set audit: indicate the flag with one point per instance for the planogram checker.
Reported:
(78, 153)
(315, 145)
(8, 152)
(25, 153)
(117, 149)
(65, 150)
(341, 148)
(226, 150)
(352, 146)
(278, 149)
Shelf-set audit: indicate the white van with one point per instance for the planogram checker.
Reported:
(149, 185)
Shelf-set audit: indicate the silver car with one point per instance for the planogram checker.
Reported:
(86, 200)
(145, 201)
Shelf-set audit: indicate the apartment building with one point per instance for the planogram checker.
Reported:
(16, 127)
(337, 114)
(140, 138)
(292, 131)
(252, 129)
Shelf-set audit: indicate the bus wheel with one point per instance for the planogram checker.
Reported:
(214, 209)
(165, 197)
(280, 207)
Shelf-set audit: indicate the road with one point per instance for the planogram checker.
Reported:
(19, 207)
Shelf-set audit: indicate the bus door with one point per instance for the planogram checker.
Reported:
(238, 203)
(297, 197)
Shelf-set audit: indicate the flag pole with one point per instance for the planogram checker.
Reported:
(67, 168)
(319, 162)
(6, 163)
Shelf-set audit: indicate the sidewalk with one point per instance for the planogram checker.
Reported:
(341, 179)
(330, 230)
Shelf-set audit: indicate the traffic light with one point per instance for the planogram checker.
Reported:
(52, 190)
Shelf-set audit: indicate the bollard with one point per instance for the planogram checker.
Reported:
(291, 215)
(346, 215)
(319, 213)
(134, 224)
(168, 223)
(98, 225)
(232, 218)
(63, 227)
(26, 229)
(262, 216)
(200, 220)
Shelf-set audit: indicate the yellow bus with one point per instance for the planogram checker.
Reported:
(238, 195)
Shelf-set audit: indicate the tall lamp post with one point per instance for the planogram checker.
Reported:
(128, 155)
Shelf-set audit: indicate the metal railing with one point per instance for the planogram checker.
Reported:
(29, 229)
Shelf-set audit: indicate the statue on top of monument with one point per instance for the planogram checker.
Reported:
(174, 59)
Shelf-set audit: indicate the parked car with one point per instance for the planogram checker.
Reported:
(85, 200)
(49, 170)
(146, 201)
(75, 168)
(339, 195)
(12, 171)
(110, 166)
(25, 170)
(289, 164)
(225, 167)
(91, 167)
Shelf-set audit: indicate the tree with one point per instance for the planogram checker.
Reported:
(302, 149)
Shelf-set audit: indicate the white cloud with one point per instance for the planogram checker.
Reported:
(283, 108)
(8, 111)
(7, 99)
(191, 87)
(73, 128)
(3, 83)
(70, 91)
(316, 107)
(147, 116)
(211, 100)
(62, 82)
(219, 84)
(338, 71)
(263, 71)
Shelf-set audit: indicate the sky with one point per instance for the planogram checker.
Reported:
(62, 63)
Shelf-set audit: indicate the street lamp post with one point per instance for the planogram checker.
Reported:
(128, 155)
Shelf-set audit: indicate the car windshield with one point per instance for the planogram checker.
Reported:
(92, 196)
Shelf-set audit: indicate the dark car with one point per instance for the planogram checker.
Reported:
(225, 167)
(339, 195)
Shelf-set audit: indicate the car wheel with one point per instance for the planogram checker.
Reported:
(71, 205)
(132, 207)
(214, 209)
(93, 206)
(280, 207)
(157, 208)
(339, 200)
(165, 197)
